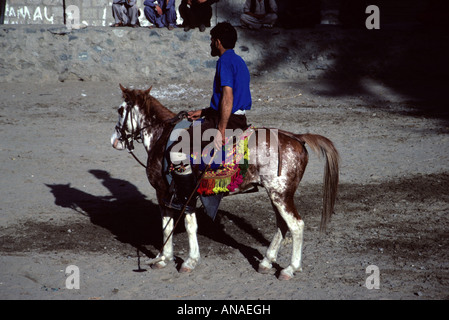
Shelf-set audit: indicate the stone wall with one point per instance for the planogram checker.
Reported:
(40, 53)
(54, 53)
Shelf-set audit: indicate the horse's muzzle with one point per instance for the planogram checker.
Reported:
(116, 142)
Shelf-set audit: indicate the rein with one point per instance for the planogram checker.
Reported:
(128, 139)
(137, 159)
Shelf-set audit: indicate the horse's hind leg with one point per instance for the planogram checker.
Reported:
(273, 249)
(296, 227)
(287, 210)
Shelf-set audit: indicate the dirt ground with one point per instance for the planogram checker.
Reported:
(68, 198)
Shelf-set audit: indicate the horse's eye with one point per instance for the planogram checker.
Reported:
(120, 111)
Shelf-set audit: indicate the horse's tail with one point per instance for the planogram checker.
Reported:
(323, 146)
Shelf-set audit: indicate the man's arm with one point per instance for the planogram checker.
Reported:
(225, 112)
(273, 6)
(246, 7)
(149, 3)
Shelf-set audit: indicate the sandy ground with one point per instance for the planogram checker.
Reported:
(68, 198)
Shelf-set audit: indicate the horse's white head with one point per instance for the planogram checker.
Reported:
(127, 128)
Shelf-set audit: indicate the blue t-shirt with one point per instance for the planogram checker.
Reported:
(232, 71)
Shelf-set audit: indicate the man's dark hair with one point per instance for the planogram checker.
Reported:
(226, 33)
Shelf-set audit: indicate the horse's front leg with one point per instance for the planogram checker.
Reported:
(167, 250)
(194, 250)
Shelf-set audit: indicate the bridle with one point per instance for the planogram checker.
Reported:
(128, 138)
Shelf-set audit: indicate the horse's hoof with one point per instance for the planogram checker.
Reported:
(189, 265)
(158, 266)
(157, 263)
(185, 269)
(264, 270)
(285, 275)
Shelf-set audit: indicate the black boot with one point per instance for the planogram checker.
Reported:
(184, 186)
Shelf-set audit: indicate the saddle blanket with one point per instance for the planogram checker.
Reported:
(221, 177)
(228, 168)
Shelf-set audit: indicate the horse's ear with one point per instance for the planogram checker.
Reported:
(122, 88)
(147, 92)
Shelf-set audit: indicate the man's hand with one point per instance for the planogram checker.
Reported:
(193, 115)
(220, 139)
(158, 10)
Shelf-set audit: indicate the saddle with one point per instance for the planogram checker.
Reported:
(228, 167)
(226, 172)
(224, 175)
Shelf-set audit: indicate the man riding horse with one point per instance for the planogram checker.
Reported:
(230, 99)
(142, 117)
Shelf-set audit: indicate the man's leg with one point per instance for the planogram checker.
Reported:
(170, 17)
(185, 13)
(117, 13)
(204, 14)
(180, 151)
(250, 22)
(269, 19)
(153, 17)
(133, 15)
(185, 183)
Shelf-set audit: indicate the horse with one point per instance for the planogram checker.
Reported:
(142, 118)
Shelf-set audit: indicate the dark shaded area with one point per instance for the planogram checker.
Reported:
(234, 238)
(407, 55)
(352, 13)
(133, 221)
(127, 214)
(2, 11)
(298, 13)
(411, 63)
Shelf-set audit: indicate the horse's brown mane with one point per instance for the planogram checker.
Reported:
(153, 106)
(150, 105)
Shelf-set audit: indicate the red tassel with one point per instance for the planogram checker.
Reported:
(206, 186)
(236, 180)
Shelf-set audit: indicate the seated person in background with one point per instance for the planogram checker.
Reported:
(125, 12)
(258, 13)
(161, 13)
(196, 13)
